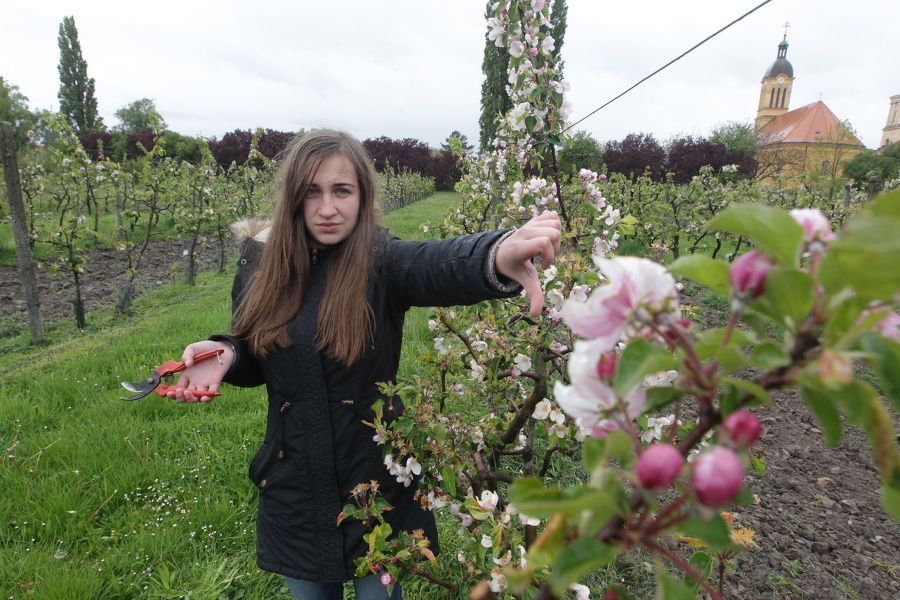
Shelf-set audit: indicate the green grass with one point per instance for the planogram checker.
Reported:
(105, 499)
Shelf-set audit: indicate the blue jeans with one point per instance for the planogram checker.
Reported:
(366, 588)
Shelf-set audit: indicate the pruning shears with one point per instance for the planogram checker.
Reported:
(152, 383)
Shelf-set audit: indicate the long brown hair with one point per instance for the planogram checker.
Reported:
(279, 285)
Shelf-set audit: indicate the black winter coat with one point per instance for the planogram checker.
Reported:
(317, 447)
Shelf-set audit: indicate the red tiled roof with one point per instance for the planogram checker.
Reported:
(806, 125)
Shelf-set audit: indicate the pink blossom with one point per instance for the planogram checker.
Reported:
(387, 579)
(718, 475)
(815, 225)
(589, 400)
(742, 428)
(659, 465)
(749, 272)
(835, 366)
(634, 283)
(889, 326)
(606, 366)
(548, 44)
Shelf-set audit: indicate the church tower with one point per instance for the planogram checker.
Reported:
(775, 92)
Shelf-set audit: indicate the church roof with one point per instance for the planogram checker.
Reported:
(781, 64)
(806, 125)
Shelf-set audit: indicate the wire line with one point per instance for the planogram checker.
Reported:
(679, 57)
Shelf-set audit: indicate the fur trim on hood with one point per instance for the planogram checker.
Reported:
(258, 229)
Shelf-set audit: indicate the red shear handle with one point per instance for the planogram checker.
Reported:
(167, 368)
(165, 388)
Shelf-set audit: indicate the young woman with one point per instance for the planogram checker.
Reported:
(319, 302)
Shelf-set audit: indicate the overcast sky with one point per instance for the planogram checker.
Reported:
(412, 68)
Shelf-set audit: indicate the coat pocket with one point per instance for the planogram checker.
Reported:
(261, 462)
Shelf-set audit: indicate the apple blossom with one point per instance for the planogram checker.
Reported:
(742, 428)
(655, 427)
(488, 500)
(582, 592)
(636, 286)
(889, 326)
(815, 225)
(548, 45)
(589, 400)
(659, 465)
(478, 372)
(522, 362)
(542, 410)
(717, 476)
(387, 579)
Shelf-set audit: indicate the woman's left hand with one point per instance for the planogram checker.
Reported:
(538, 237)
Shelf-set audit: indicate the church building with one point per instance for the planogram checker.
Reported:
(891, 131)
(809, 139)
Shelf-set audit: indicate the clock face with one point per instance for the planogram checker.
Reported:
(781, 80)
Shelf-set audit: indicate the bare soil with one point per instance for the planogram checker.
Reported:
(101, 285)
(821, 531)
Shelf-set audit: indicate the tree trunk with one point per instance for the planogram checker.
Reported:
(78, 304)
(124, 304)
(20, 232)
(120, 206)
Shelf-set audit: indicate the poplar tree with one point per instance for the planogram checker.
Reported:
(76, 90)
(495, 101)
(559, 10)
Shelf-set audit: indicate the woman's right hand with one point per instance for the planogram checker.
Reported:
(202, 376)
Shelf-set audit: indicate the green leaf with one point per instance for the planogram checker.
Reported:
(890, 498)
(577, 560)
(598, 451)
(826, 411)
(710, 342)
(449, 478)
(884, 357)
(703, 564)
(732, 358)
(668, 588)
(789, 296)
(864, 256)
(769, 355)
(713, 531)
(748, 386)
(639, 359)
(660, 397)
(531, 498)
(771, 230)
(707, 271)
(758, 464)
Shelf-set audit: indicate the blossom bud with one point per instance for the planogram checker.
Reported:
(749, 272)
(606, 366)
(718, 475)
(659, 465)
(742, 428)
